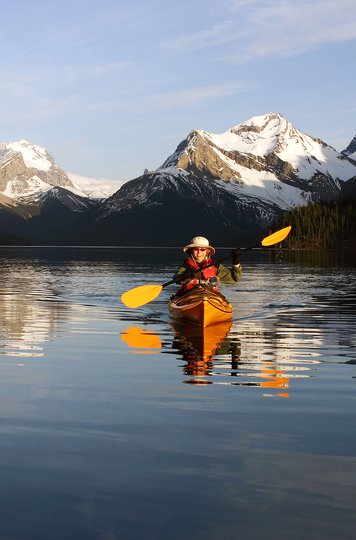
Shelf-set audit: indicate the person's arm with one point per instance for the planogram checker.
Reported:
(233, 274)
(229, 275)
(183, 274)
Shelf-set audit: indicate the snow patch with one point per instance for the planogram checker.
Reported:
(95, 188)
(16, 188)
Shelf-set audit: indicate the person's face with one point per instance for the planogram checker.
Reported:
(199, 254)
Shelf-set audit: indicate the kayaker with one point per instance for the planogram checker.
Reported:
(199, 268)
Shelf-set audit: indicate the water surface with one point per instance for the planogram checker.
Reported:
(114, 425)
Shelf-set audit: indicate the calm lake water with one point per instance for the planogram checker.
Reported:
(115, 426)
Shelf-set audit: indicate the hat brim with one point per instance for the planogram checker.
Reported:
(190, 246)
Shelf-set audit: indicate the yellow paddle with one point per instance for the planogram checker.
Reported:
(139, 296)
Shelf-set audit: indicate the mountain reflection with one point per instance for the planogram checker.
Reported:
(27, 323)
(29, 308)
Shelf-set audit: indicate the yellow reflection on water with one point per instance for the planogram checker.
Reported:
(141, 341)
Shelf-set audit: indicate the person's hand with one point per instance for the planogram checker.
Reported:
(236, 254)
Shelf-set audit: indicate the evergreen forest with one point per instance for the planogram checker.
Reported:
(323, 225)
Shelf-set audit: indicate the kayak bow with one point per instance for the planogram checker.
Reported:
(201, 306)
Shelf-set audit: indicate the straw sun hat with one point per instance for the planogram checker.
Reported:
(199, 241)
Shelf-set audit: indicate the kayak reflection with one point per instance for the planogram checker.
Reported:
(212, 355)
(199, 343)
(198, 346)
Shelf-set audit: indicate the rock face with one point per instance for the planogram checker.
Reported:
(11, 166)
(200, 157)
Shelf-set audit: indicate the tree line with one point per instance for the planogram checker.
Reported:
(322, 225)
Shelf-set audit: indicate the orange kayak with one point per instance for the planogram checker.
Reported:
(201, 306)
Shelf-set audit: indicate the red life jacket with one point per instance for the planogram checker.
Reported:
(203, 275)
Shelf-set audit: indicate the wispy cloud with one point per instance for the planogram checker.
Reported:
(218, 34)
(250, 29)
(191, 96)
(37, 110)
(96, 70)
(14, 87)
(286, 27)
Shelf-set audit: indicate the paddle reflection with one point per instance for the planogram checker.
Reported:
(141, 341)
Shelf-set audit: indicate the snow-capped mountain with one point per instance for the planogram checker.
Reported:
(39, 202)
(27, 169)
(230, 187)
(226, 186)
(266, 157)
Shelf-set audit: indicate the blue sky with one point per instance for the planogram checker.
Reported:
(110, 87)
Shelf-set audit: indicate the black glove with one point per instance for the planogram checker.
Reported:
(236, 254)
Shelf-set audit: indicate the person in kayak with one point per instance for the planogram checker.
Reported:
(199, 268)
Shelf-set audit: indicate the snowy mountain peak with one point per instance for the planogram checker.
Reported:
(34, 156)
(262, 135)
(28, 169)
(273, 122)
(264, 157)
(257, 144)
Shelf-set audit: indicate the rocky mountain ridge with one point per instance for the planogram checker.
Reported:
(227, 186)
(224, 186)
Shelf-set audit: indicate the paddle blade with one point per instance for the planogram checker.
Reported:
(139, 296)
(276, 237)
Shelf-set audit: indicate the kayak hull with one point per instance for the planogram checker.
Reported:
(201, 306)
